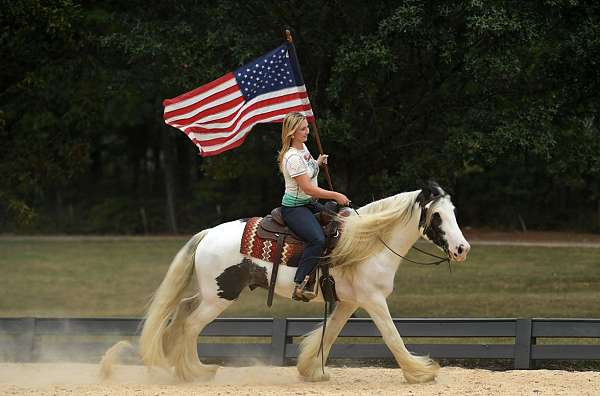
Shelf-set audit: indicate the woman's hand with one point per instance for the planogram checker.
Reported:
(317, 192)
(341, 199)
(322, 159)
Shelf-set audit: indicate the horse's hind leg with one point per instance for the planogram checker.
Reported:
(181, 341)
(309, 360)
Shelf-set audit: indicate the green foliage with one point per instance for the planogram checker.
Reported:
(496, 100)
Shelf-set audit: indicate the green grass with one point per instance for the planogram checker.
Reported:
(116, 277)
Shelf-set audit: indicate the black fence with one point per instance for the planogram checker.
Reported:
(515, 339)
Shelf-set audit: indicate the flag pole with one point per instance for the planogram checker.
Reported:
(313, 124)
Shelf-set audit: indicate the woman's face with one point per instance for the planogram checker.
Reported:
(301, 133)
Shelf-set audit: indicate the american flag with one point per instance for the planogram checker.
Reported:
(219, 115)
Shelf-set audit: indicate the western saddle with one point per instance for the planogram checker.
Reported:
(273, 227)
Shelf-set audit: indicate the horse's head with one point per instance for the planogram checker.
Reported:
(438, 222)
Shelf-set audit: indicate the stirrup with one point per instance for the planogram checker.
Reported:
(301, 293)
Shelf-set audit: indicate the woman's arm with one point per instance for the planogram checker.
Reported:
(317, 192)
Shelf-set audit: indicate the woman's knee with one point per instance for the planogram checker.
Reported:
(317, 240)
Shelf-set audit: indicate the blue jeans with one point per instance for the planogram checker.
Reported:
(302, 221)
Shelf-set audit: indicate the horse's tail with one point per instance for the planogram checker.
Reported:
(165, 301)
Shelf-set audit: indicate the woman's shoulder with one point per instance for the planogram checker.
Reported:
(293, 151)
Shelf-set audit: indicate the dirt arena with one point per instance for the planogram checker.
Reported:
(82, 379)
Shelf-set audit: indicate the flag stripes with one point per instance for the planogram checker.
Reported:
(218, 116)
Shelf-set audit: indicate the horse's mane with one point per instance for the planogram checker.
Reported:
(358, 241)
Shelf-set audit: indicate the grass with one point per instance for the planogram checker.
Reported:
(114, 277)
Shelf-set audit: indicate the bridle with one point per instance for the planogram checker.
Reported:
(439, 258)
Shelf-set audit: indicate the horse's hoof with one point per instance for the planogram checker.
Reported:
(317, 378)
(419, 379)
(200, 373)
(208, 372)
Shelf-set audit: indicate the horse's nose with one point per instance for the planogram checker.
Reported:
(461, 251)
(464, 248)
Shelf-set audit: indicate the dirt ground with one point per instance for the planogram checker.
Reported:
(82, 379)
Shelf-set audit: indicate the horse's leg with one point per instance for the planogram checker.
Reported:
(182, 340)
(309, 360)
(416, 369)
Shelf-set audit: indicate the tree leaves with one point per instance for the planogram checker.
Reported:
(496, 100)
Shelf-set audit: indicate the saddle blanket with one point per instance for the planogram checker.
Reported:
(264, 249)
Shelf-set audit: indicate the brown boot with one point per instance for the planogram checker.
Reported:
(301, 293)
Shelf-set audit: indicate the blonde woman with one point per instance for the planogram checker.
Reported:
(299, 203)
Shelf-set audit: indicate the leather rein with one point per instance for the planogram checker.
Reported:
(440, 259)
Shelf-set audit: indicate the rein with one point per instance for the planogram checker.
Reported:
(440, 259)
(438, 262)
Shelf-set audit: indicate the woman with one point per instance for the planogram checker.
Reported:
(299, 203)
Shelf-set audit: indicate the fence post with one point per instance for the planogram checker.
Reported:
(26, 341)
(278, 341)
(523, 344)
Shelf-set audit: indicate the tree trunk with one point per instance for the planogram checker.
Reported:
(598, 225)
(168, 167)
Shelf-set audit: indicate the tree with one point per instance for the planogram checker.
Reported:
(496, 100)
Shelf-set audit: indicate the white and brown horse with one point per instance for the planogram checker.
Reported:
(363, 268)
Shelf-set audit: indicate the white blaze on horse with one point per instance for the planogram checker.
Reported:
(363, 269)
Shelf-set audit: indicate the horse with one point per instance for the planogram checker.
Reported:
(363, 264)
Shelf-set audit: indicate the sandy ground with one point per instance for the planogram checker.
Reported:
(82, 379)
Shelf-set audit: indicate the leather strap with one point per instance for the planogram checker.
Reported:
(276, 262)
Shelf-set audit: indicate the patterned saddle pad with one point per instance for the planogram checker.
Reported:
(257, 244)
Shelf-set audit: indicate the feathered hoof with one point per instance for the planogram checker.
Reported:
(201, 373)
(422, 376)
(316, 377)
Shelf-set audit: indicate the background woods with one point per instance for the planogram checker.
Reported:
(499, 101)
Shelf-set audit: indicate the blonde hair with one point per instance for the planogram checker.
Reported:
(359, 239)
(290, 124)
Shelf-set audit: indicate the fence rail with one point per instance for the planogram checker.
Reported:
(22, 336)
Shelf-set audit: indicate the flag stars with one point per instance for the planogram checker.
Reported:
(266, 74)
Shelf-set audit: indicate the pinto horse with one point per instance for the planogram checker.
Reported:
(364, 263)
